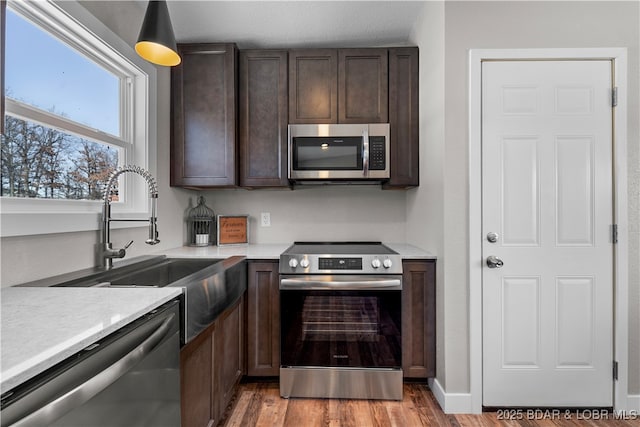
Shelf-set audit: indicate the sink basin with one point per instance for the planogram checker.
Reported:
(209, 286)
(162, 274)
(154, 271)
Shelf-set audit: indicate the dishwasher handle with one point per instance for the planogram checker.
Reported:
(85, 391)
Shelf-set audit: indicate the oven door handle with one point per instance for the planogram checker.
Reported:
(347, 285)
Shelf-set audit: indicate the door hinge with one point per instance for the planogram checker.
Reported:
(615, 370)
(614, 233)
(614, 96)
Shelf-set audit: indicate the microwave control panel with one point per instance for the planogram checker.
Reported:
(377, 153)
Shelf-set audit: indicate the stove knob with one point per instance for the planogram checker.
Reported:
(387, 263)
(293, 263)
(375, 263)
(304, 263)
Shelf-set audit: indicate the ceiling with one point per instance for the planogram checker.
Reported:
(290, 24)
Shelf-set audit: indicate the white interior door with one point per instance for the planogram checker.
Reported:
(547, 195)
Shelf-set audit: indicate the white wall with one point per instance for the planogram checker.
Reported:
(313, 212)
(478, 24)
(425, 213)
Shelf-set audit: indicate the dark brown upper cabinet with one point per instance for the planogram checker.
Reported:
(263, 118)
(403, 118)
(313, 86)
(338, 86)
(362, 86)
(203, 143)
(215, 100)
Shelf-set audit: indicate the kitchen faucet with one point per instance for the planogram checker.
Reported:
(105, 252)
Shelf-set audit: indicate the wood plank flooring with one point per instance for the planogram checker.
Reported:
(260, 404)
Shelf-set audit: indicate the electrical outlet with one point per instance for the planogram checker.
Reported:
(265, 219)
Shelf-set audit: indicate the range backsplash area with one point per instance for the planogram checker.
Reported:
(317, 212)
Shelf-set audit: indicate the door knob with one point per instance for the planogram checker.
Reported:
(494, 262)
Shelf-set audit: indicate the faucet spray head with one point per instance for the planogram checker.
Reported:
(153, 226)
(153, 234)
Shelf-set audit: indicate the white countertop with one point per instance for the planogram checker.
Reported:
(273, 251)
(256, 251)
(43, 326)
(410, 252)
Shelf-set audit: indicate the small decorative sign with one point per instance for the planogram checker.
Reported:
(233, 230)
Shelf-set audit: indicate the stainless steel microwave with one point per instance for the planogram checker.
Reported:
(339, 152)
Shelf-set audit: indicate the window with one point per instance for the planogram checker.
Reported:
(71, 98)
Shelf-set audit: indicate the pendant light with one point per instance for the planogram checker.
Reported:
(156, 42)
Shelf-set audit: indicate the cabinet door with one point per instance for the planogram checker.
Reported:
(196, 381)
(403, 117)
(228, 356)
(313, 86)
(263, 317)
(263, 118)
(419, 319)
(203, 144)
(363, 86)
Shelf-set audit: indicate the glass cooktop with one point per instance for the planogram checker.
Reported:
(340, 248)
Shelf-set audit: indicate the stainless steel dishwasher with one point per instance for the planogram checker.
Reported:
(130, 378)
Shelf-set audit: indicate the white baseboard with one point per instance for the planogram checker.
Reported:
(460, 403)
(451, 403)
(633, 403)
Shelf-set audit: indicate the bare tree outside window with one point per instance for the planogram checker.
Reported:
(38, 161)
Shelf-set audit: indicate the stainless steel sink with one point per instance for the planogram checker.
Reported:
(165, 273)
(209, 286)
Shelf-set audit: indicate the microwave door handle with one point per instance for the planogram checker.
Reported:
(365, 152)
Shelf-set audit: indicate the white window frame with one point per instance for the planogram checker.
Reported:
(73, 24)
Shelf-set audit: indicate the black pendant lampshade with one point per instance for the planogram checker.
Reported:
(156, 42)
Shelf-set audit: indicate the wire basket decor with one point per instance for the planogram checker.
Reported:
(201, 225)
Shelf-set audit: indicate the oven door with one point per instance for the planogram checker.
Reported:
(341, 321)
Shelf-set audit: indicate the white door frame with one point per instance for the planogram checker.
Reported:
(620, 267)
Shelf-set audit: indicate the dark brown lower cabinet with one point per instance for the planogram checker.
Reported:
(263, 319)
(196, 381)
(228, 356)
(419, 318)
(211, 366)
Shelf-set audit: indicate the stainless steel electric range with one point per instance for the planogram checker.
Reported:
(340, 321)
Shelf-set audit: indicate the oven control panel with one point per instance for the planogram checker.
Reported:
(339, 263)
